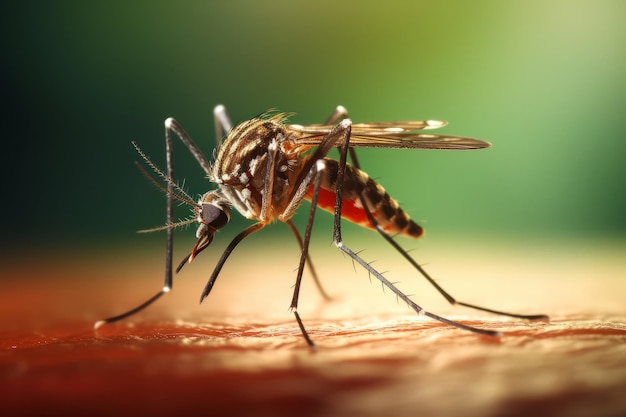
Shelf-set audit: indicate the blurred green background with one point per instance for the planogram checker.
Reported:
(544, 81)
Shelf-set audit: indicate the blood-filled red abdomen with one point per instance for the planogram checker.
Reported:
(385, 210)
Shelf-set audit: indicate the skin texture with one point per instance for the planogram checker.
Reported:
(240, 353)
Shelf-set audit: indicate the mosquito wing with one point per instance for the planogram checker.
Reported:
(403, 135)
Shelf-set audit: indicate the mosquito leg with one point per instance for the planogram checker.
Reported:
(422, 271)
(171, 125)
(419, 310)
(265, 206)
(129, 313)
(338, 240)
(434, 283)
(339, 113)
(305, 251)
(223, 124)
(310, 175)
(229, 249)
(169, 158)
(316, 279)
(169, 241)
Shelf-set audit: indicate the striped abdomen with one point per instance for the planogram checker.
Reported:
(385, 209)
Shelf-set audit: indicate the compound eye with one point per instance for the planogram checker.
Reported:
(214, 216)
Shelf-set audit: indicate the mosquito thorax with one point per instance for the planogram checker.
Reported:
(212, 211)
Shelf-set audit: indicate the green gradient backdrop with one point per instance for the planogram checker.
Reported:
(544, 81)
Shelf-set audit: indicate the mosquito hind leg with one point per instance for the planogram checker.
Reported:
(338, 240)
(434, 283)
(421, 270)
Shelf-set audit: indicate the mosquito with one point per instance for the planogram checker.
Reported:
(265, 168)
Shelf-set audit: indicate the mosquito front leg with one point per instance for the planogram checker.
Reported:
(339, 113)
(171, 125)
(223, 124)
(229, 249)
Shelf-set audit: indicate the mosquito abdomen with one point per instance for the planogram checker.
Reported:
(386, 210)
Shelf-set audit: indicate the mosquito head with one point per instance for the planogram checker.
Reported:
(212, 213)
